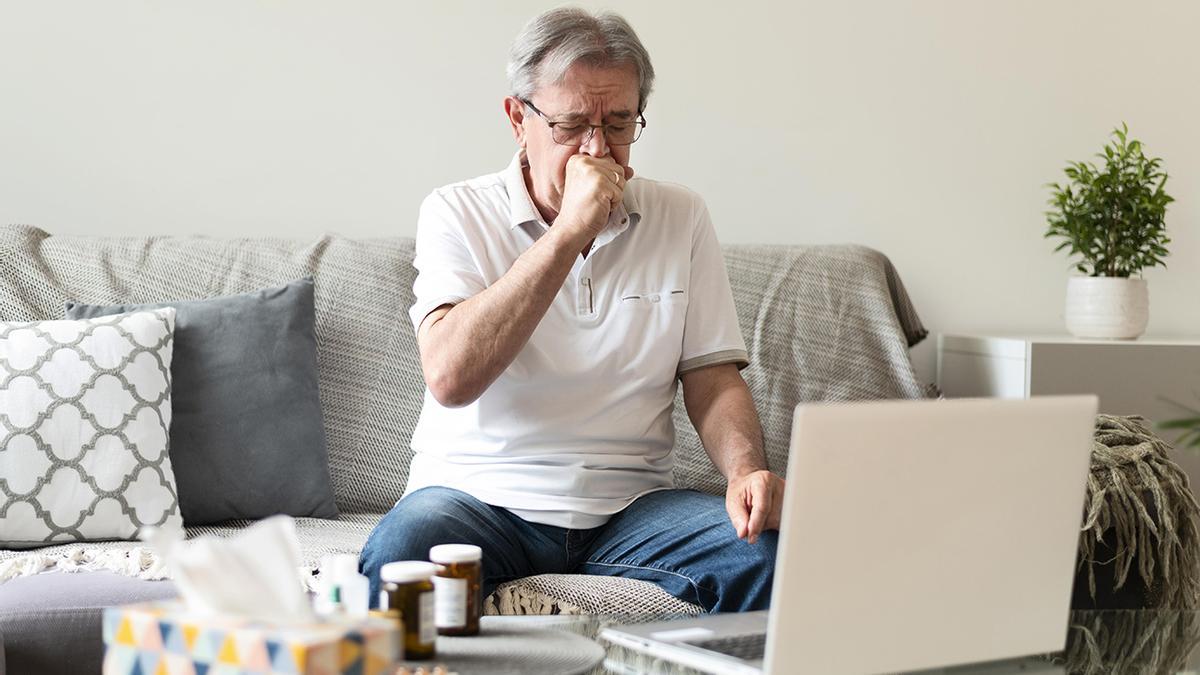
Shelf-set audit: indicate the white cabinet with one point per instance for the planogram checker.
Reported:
(1130, 377)
(1147, 377)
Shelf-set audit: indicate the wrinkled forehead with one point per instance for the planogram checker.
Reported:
(586, 90)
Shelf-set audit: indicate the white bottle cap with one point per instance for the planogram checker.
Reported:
(340, 566)
(455, 553)
(407, 571)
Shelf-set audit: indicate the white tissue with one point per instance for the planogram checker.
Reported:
(252, 574)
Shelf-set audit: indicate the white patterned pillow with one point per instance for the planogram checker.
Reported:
(85, 407)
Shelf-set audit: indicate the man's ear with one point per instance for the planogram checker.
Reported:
(515, 111)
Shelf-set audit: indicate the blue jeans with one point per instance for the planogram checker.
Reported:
(681, 540)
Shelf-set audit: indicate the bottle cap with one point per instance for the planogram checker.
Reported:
(455, 553)
(340, 566)
(407, 571)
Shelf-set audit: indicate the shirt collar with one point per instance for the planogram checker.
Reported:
(520, 205)
(522, 210)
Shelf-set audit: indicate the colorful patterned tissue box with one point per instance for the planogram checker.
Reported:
(162, 638)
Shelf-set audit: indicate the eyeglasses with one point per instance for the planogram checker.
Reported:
(579, 133)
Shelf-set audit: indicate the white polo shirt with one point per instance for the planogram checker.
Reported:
(579, 425)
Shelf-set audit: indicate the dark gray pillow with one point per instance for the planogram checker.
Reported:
(247, 438)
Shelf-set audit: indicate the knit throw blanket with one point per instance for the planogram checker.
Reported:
(1141, 499)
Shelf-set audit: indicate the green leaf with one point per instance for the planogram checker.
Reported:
(1112, 216)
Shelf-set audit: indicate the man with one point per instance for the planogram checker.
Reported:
(558, 303)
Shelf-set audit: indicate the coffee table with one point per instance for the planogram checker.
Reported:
(1109, 641)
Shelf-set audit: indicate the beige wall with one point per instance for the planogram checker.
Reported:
(924, 128)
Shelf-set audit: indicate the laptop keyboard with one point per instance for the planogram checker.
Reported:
(749, 647)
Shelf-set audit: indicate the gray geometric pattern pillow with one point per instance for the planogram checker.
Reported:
(85, 410)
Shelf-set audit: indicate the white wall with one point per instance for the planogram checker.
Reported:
(924, 128)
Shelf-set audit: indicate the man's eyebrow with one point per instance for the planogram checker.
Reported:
(583, 117)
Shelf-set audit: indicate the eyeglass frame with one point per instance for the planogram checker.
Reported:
(641, 120)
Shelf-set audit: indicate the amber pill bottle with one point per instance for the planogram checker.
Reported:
(458, 587)
(408, 588)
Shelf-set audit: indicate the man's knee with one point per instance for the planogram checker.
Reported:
(751, 588)
(747, 570)
(418, 522)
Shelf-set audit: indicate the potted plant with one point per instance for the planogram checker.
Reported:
(1113, 218)
(1189, 426)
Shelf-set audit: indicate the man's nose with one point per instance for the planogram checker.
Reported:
(595, 144)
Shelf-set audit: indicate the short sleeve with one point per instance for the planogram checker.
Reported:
(446, 270)
(711, 335)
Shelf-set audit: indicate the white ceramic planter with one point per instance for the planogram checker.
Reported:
(1107, 307)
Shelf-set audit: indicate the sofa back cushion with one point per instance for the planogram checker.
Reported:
(820, 322)
(370, 375)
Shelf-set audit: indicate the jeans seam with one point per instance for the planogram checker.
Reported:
(695, 584)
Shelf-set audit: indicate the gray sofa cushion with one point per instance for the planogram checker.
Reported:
(247, 439)
(51, 622)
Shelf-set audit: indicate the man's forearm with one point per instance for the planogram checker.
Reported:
(719, 403)
(724, 416)
(465, 349)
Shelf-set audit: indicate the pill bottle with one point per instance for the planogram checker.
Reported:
(346, 591)
(458, 588)
(408, 587)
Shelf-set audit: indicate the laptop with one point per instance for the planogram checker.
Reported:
(915, 535)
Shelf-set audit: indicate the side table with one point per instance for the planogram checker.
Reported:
(1150, 377)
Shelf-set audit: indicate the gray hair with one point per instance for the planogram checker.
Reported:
(556, 40)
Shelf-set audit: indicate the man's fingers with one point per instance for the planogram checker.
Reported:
(776, 519)
(760, 508)
(738, 514)
(607, 174)
(605, 166)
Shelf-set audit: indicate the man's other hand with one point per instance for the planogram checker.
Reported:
(755, 503)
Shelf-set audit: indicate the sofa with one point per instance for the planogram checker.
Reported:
(821, 323)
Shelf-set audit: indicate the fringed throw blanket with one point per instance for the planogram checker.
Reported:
(1140, 505)
(1125, 641)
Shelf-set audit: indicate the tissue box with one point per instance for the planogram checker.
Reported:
(163, 638)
